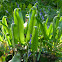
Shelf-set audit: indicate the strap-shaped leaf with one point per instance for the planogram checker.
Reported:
(55, 25)
(42, 27)
(18, 20)
(50, 30)
(59, 30)
(13, 35)
(5, 29)
(43, 31)
(5, 23)
(34, 41)
(45, 25)
(4, 26)
(31, 24)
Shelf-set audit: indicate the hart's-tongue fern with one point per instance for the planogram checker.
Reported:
(5, 29)
(31, 24)
(5, 23)
(55, 25)
(19, 28)
(34, 41)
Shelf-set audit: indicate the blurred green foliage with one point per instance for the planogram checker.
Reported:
(47, 37)
(7, 6)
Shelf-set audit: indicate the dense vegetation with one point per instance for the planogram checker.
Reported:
(30, 30)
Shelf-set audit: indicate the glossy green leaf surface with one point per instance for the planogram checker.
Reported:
(19, 28)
